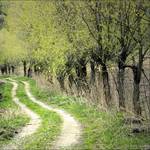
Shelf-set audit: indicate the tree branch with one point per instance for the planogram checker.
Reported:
(88, 27)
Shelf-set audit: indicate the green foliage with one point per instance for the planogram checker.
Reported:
(11, 50)
(43, 41)
(52, 30)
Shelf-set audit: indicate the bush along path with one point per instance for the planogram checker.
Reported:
(27, 130)
(71, 129)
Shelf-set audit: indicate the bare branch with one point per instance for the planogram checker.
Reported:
(146, 76)
(145, 52)
(90, 30)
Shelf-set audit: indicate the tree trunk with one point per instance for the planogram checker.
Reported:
(106, 85)
(136, 99)
(25, 68)
(5, 69)
(121, 92)
(136, 90)
(9, 69)
(12, 69)
(35, 69)
(2, 70)
(81, 72)
(120, 76)
(61, 82)
(92, 78)
(29, 73)
(70, 79)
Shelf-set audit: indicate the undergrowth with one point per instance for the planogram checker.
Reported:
(101, 130)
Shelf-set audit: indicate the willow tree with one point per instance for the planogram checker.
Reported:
(71, 25)
(141, 38)
(11, 50)
(35, 25)
(93, 14)
(86, 28)
(124, 20)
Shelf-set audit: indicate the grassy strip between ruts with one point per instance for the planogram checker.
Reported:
(11, 118)
(101, 130)
(49, 129)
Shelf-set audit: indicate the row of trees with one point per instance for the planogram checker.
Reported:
(65, 38)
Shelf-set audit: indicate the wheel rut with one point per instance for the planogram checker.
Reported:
(29, 129)
(71, 128)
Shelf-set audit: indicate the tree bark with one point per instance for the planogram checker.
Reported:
(106, 85)
(12, 69)
(136, 90)
(120, 76)
(5, 69)
(61, 79)
(29, 72)
(2, 69)
(9, 69)
(92, 78)
(61, 82)
(71, 80)
(121, 92)
(136, 100)
(81, 73)
(25, 68)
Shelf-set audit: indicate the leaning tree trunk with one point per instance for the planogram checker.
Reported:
(106, 85)
(25, 67)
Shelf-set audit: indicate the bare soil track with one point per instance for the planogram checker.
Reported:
(71, 129)
(29, 129)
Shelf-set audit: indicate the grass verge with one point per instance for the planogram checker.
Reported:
(101, 130)
(11, 118)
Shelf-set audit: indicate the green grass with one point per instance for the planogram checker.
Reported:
(101, 130)
(49, 128)
(11, 120)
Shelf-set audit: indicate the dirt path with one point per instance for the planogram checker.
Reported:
(29, 129)
(71, 129)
